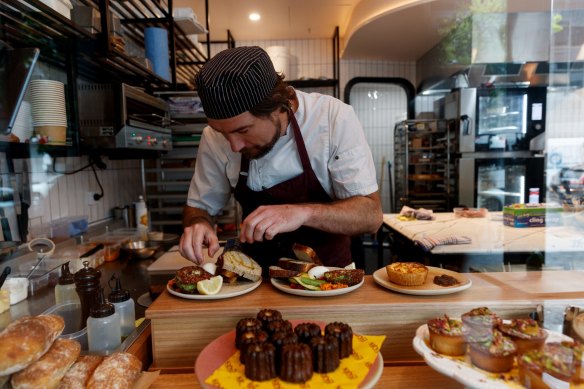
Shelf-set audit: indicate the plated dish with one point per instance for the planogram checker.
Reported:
(429, 288)
(223, 347)
(284, 286)
(227, 290)
(460, 368)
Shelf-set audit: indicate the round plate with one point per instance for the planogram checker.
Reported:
(429, 288)
(223, 347)
(242, 287)
(285, 287)
(144, 300)
(462, 370)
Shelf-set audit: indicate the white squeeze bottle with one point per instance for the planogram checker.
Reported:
(104, 332)
(141, 217)
(124, 306)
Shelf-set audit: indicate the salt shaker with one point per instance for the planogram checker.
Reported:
(104, 334)
(124, 306)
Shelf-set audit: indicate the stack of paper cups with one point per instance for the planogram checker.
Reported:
(156, 41)
(49, 114)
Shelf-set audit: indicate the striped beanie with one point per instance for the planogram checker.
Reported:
(234, 81)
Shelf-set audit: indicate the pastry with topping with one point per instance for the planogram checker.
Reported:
(447, 336)
(526, 334)
(494, 353)
(554, 362)
(407, 273)
(480, 321)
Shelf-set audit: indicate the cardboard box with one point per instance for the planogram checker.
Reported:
(532, 215)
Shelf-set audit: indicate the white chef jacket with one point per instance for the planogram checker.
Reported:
(335, 142)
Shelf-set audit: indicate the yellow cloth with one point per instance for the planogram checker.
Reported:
(349, 374)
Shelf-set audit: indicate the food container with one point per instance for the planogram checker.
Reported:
(532, 215)
(63, 7)
(74, 329)
(18, 289)
(4, 300)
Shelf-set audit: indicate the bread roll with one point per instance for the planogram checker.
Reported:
(46, 373)
(26, 340)
(78, 375)
(118, 371)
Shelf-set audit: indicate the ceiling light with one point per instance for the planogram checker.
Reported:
(254, 16)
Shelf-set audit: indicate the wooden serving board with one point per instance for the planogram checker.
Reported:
(172, 260)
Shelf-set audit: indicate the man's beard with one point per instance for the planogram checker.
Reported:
(256, 152)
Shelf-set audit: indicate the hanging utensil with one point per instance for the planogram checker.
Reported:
(4, 274)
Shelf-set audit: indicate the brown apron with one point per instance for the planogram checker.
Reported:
(332, 249)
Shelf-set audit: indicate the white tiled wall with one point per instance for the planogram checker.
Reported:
(53, 194)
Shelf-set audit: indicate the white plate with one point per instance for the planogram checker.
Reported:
(223, 347)
(284, 286)
(460, 368)
(429, 288)
(242, 287)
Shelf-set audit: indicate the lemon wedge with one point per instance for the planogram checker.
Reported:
(210, 286)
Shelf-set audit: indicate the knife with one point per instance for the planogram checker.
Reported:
(92, 251)
(4, 274)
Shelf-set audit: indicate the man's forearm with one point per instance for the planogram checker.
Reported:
(357, 215)
(195, 215)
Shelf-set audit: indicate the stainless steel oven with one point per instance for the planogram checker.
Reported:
(122, 116)
(497, 118)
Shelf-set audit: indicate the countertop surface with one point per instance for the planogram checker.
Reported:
(488, 235)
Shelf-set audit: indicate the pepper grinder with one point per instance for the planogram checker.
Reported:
(87, 285)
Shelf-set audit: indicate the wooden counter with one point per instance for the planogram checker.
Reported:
(181, 328)
(411, 377)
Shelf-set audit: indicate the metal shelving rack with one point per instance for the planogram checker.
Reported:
(425, 164)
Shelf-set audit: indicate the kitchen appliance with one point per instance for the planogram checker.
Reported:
(497, 118)
(492, 180)
(122, 116)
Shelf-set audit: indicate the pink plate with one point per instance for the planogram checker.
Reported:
(222, 348)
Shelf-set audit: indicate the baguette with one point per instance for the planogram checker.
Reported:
(26, 340)
(117, 371)
(306, 254)
(47, 372)
(78, 375)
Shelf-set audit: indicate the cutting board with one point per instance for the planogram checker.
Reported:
(172, 260)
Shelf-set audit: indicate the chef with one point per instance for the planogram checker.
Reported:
(297, 163)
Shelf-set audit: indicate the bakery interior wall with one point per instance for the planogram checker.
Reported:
(54, 195)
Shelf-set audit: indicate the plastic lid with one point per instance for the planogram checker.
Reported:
(66, 277)
(101, 308)
(118, 295)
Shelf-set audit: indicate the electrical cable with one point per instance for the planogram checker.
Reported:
(92, 162)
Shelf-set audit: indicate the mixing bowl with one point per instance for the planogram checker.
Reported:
(140, 249)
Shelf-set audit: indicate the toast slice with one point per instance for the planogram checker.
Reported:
(278, 272)
(241, 264)
(295, 265)
(306, 254)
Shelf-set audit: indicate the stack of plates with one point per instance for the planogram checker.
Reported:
(23, 126)
(48, 111)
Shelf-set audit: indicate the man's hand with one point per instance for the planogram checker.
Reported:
(269, 220)
(198, 232)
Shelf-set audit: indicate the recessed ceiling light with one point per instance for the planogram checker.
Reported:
(254, 16)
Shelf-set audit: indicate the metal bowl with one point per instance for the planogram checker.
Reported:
(140, 249)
